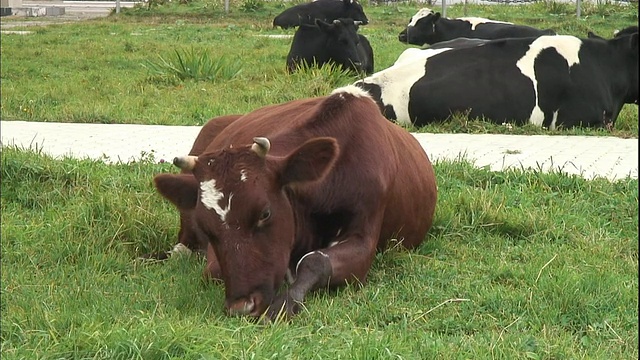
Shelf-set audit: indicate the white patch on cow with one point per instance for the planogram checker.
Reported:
(351, 89)
(475, 21)
(334, 243)
(211, 198)
(422, 13)
(179, 248)
(307, 254)
(553, 121)
(567, 46)
(396, 81)
(415, 53)
(243, 175)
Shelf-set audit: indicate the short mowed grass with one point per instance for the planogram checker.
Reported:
(518, 265)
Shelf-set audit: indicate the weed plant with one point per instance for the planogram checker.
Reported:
(193, 65)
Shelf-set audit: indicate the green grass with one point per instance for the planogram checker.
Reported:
(98, 70)
(517, 265)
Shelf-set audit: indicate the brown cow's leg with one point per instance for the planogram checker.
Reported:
(348, 261)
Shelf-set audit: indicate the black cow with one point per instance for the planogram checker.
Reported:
(337, 42)
(549, 81)
(415, 53)
(325, 10)
(427, 27)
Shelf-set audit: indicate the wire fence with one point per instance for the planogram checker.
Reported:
(441, 5)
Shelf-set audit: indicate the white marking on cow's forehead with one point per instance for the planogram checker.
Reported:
(567, 46)
(243, 175)
(475, 21)
(211, 197)
(422, 13)
(353, 90)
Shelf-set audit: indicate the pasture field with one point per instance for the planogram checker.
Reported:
(518, 265)
(103, 70)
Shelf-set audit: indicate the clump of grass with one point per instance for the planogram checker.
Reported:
(195, 65)
(252, 5)
(321, 80)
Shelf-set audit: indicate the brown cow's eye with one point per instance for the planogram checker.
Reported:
(265, 215)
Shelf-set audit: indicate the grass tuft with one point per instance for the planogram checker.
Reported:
(193, 65)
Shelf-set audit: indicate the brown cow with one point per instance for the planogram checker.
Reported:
(311, 188)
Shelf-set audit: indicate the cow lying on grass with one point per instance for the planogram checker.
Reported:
(629, 30)
(427, 27)
(549, 81)
(325, 10)
(337, 43)
(308, 189)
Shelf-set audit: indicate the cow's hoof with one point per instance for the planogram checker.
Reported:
(154, 256)
(179, 248)
(283, 308)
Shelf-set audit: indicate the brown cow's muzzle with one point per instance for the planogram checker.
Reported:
(253, 305)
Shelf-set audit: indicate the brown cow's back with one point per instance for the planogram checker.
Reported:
(413, 200)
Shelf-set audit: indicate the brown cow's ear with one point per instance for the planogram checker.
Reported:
(181, 189)
(311, 161)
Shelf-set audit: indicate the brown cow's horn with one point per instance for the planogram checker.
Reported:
(185, 162)
(261, 146)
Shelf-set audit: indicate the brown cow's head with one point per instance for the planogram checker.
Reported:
(243, 211)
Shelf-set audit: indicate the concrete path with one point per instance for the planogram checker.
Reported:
(587, 156)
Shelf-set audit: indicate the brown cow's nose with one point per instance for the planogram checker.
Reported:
(244, 306)
(241, 307)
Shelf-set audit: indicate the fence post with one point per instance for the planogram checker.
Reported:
(444, 8)
(117, 6)
(578, 8)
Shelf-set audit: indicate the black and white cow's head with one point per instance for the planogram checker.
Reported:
(421, 27)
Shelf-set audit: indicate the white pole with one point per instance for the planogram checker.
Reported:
(226, 6)
(444, 8)
(117, 6)
(578, 9)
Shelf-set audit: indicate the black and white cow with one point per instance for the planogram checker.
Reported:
(629, 30)
(325, 10)
(419, 53)
(549, 81)
(427, 27)
(336, 42)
